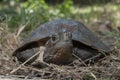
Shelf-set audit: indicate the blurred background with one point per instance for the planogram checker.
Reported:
(36, 12)
(22, 16)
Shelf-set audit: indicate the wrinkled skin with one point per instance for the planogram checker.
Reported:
(59, 49)
(24, 55)
(85, 52)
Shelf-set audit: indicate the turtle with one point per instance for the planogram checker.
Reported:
(71, 36)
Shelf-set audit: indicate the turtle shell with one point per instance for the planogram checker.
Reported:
(80, 33)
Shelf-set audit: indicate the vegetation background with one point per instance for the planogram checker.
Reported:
(19, 17)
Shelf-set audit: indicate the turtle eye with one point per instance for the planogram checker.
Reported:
(53, 38)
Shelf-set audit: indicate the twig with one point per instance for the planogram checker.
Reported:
(93, 57)
(79, 59)
(21, 29)
(14, 70)
(93, 75)
(35, 69)
(8, 41)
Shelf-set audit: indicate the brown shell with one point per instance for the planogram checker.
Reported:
(80, 33)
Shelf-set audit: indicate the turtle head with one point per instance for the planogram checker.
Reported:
(59, 49)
